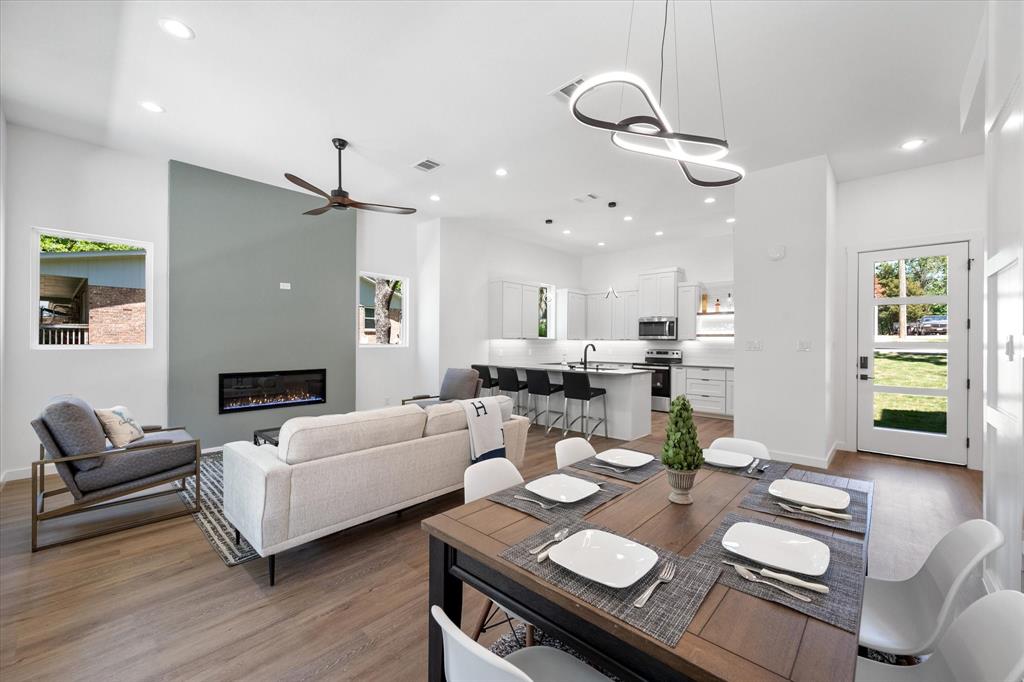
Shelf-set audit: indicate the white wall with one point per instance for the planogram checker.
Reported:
(428, 303)
(57, 182)
(702, 259)
(3, 273)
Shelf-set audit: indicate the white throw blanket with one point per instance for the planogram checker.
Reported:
(486, 436)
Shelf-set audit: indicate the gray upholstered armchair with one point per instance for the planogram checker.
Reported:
(458, 384)
(96, 474)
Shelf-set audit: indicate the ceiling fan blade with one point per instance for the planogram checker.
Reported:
(318, 211)
(380, 208)
(305, 185)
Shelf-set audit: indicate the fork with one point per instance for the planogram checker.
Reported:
(602, 466)
(666, 575)
(543, 505)
(749, 575)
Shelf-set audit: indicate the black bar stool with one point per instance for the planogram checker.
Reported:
(577, 387)
(508, 382)
(539, 385)
(487, 382)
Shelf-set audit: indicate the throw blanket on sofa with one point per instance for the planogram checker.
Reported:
(486, 437)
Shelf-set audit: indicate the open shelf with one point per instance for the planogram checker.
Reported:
(723, 312)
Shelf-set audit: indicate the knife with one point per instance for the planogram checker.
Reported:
(783, 578)
(819, 512)
(753, 465)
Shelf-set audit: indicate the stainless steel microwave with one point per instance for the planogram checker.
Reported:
(658, 328)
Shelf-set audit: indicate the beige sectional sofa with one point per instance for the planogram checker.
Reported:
(332, 472)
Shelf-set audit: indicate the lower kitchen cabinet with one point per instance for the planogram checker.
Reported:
(709, 389)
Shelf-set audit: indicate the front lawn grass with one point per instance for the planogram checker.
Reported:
(910, 412)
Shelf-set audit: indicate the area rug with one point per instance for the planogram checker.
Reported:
(211, 520)
(509, 642)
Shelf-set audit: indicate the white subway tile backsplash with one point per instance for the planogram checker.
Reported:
(510, 352)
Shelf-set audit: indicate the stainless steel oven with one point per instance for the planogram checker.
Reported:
(660, 362)
(661, 328)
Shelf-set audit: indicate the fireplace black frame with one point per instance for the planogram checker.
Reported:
(227, 376)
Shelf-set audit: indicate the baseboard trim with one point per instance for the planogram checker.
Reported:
(803, 460)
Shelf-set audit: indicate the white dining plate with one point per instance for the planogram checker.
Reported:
(562, 488)
(810, 494)
(624, 458)
(727, 458)
(604, 558)
(777, 548)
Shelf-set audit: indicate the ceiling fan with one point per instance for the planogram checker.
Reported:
(339, 198)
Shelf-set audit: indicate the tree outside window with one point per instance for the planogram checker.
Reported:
(382, 301)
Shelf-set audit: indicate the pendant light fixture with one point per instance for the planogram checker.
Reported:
(653, 134)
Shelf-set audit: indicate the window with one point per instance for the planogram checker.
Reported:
(91, 291)
(383, 303)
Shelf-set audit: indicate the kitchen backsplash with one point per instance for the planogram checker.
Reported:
(507, 351)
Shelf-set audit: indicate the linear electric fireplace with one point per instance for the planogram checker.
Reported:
(241, 391)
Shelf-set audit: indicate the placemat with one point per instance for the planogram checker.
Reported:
(774, 470)
(634, 475)
(665, 616)
(563, 512)
(844, 577)
(861, 493)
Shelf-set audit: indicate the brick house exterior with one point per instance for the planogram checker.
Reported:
(117, 315)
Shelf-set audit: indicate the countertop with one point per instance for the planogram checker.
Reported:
(704, 364)
(614, 369)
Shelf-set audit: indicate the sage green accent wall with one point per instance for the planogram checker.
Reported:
(232, 243)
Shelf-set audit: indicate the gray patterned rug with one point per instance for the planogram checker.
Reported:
(210, 520)
(509, 642)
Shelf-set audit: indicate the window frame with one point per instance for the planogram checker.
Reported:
(406, 309)
(35, 252)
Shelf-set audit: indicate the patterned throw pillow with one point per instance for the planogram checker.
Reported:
(119, 425)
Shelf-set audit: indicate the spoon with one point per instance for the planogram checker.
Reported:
(559, 536)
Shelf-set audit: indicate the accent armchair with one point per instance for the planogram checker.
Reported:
(458, 384)
(97, 475)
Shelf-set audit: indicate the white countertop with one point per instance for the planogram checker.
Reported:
(614, 369)
(703, 364)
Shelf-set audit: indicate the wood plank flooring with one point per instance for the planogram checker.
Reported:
(157, 602)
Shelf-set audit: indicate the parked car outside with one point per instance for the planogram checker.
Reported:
(929, 325)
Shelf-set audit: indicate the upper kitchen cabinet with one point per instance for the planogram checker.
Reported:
(571, 307)
(520, 311)
(625, 315)
(599, 317)
(689, 304)
(658, 293)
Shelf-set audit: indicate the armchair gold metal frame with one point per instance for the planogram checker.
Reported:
(40, 494)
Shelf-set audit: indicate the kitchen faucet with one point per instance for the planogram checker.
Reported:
(585, 349)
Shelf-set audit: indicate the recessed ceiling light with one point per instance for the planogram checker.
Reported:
(566, 231)
(152, 107)
(173, 27)
(600, 243)
(709, 200)
(434, 197)
(627, 218)
(911, 145)
(658, 233)
(730, 220)
(501, 172)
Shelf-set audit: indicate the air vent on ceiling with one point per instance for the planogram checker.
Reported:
(589, 196)
(565, 91)
(426, 165)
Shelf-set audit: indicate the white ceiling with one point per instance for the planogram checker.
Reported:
(265, 85)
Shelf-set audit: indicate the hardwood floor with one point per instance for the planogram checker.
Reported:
(157, 601)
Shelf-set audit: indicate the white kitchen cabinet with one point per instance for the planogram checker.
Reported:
(729, 397)
(678, 385)
(515, 310)
(630, 304)
(511, 310)
(658, 293)
(618, 318)
(708, 389)
(530, 303)
(689, 304)
(571, 311)
(599, 317)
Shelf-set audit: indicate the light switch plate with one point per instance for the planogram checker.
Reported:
(755, 345)
(286, 286)
(803, 346)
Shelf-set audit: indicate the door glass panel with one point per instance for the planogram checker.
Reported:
(910, 412)
(911, 369)
(887, 279)
(916, 323)
(924, 276)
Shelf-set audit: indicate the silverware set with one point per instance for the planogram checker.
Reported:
(747, 574)
(557, 537)
(602, 466)
(543, 505)
(822, 513)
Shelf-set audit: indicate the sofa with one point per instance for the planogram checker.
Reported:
(333, 472)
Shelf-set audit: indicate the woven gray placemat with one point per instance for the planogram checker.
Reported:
(634, 475)
(759, 499)
(665, 616)
(774, 470)
(844, 577)
(563, 512)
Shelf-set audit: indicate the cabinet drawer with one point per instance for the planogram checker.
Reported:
(707, 404)
(730, 375)
(712, 387)
(705, 373)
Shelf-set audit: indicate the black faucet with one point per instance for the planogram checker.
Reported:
(585, 349)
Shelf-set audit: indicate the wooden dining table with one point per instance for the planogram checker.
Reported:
(733, 636)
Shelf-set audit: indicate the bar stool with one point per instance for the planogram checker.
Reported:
(508, 382)
(487, 382)
(577, 387)
(539, 385)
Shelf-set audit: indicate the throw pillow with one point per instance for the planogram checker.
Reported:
(119, 425)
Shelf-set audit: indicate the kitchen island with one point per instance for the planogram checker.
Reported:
(628, 396)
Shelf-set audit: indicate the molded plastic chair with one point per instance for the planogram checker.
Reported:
(572, 450)
(489, 476)
(743, 446)
(467, 661)
(986, 642)
(909, 616)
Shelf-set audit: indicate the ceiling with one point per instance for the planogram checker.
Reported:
(266, 85)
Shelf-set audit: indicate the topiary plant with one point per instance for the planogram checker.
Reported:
(682, 449)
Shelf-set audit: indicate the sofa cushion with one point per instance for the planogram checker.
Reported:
(459, 384)
(119, 425)
(307, 438)
(132, 466)
(76, 430)
(448, 417)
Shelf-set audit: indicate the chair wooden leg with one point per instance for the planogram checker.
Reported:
(482, 620)
(238, 537)
(529, 635)
(272, 566)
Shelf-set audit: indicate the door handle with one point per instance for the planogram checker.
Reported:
(865, 377)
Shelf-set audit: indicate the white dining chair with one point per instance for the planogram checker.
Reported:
(984, 644)
(480, 480)
(467, 661)
(744, 446)
(907, 617)
(568, 451)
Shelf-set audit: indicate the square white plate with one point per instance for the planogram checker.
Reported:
(777, 548)
(624, 458)
(810, 494)
(562, 488)
(604, 558)
(727, 458)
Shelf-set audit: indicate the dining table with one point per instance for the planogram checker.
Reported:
(732, 636)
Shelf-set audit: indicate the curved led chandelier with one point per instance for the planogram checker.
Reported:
(653, 135)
